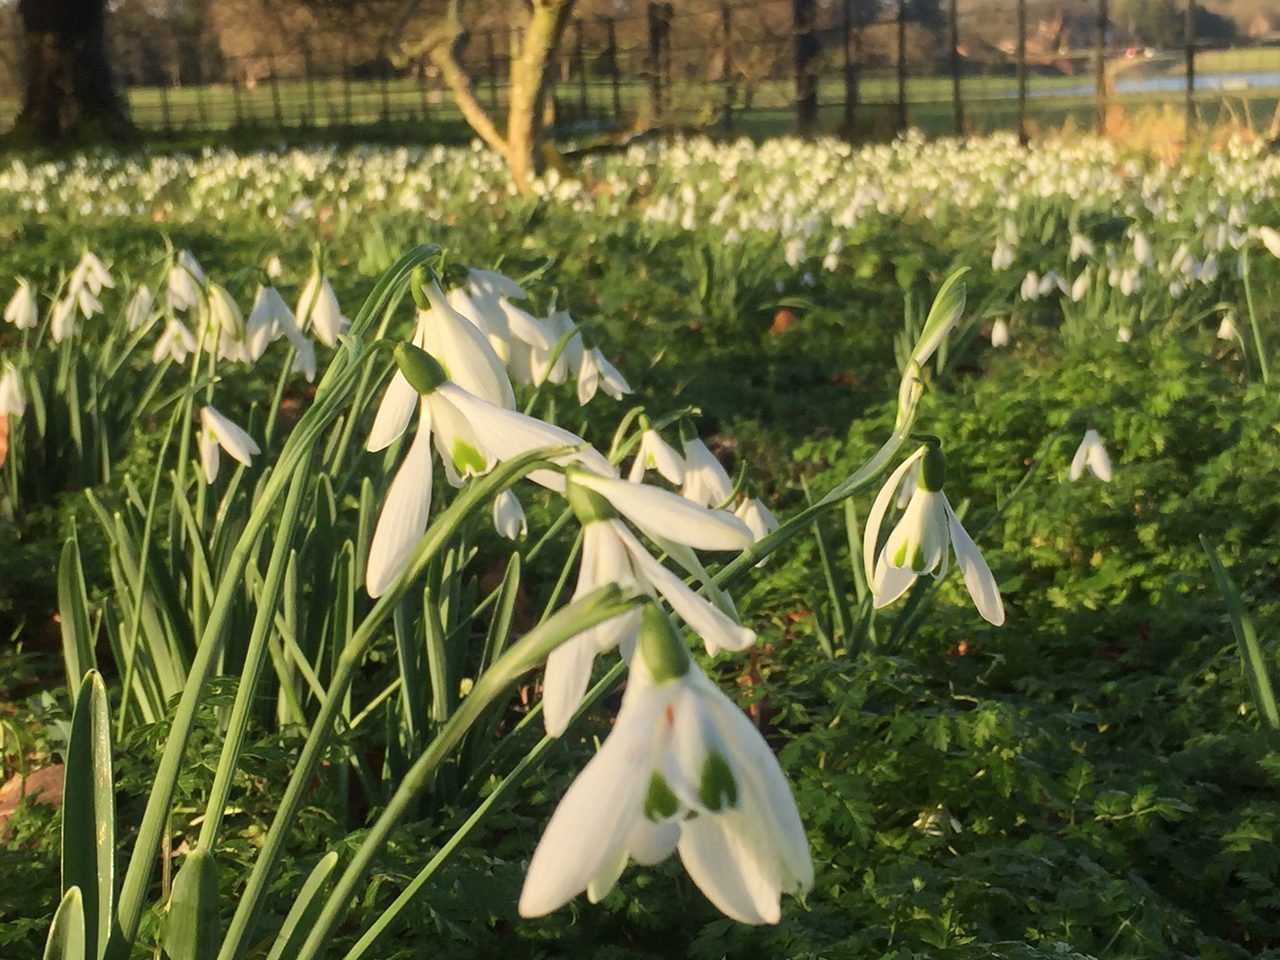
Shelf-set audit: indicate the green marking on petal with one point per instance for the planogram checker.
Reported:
(917, 559)
(718, 788)
(900, 558)
(660, 802)
(466, 457)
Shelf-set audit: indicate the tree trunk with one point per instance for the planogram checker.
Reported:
(530, 78)
(69, 89)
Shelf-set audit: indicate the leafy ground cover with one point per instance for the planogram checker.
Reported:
(1095, 778)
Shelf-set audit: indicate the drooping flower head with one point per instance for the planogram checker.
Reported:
(683, 770)
(923, 539)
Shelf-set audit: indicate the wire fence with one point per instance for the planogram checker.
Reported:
(849, 67)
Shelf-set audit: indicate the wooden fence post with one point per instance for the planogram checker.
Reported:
(1190, 30)
(726, 58)
(655, 61)
(902, 66)
(615, 75)
(1101, 86)
(802, 19)
(957, 103)
(1023, 137)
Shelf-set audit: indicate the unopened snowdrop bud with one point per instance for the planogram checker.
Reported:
(1270, 238)
(508, 516)
(1124, 334)
(1030, 289)
(217, 431)
(1093, 455)
(21, 310)
(1000, 333)
(13, 400)
(1227, 328)
(138, 312)
(274, 267)
(224, 313)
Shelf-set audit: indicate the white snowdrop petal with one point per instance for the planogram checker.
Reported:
(393, 414)
(671, 516)
(977, 575)
(404, 515)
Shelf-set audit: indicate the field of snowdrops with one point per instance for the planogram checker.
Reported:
(736, 550)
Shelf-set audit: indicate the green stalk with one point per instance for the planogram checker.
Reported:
(294, 456)
(144, 553)
(437, 537)
(385, 919)
(1263, 366)
(595, 608)
(253, 662)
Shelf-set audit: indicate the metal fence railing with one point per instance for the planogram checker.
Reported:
(858, 68)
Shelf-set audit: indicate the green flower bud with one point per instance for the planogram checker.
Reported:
(664, 652)
(418, 281)
(588, 506)
(933, 468)
(419, 368)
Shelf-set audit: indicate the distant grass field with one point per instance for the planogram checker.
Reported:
(1234, 82)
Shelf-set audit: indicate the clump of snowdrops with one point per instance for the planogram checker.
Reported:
(445, 373)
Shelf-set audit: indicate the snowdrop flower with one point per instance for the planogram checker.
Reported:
(1049, 281)
(1030, 289)
(1227, 328)
(90, 274)
(1092, 454)
(758, 518)
(1081, 246)
(62, 319)
(1270, 238)
(612, 554)
(184, 282)
(1000, 333)
(274, 267)
(1124, 334)
(13, 400)
(682, 770)
(226, 324)
(176, 343)
(705, 480)
(508, 516)
(654, 453)
(922, 540)
(1142, 249)
(596, 372)
(469, 433)
(1081, 285)
(318, 306)
(269, 319)
(461, 348)
(217, 431)
(21, 310)
(138, 312)
(1002, 256)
